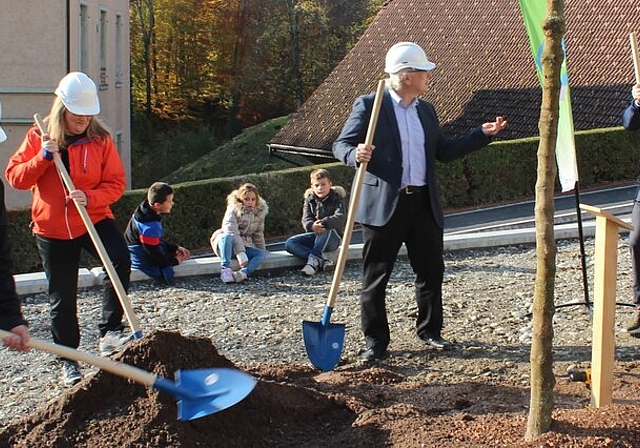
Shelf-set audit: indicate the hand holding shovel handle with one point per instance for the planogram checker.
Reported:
(97, 242)
(199, 392)
(107, 364)
(634, 54)
(355, 198)
(324, 340)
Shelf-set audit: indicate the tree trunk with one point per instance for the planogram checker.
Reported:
(542, 378)
(294, 35)
(147, 22)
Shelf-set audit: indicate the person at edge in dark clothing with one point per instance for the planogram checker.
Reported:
(631, 122)
(11, 318)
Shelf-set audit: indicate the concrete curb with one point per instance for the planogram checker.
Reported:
(34, 283)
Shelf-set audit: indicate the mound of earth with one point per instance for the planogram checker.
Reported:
(294, 405)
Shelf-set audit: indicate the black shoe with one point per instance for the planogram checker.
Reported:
(439, 343)
(372, 354)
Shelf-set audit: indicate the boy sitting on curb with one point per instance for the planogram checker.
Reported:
(150, 253)
(323, 218)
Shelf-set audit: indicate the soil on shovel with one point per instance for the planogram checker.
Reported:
(295, 405)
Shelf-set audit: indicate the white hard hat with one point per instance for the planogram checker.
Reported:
(407, 55)
(79, 94)
(3, 136)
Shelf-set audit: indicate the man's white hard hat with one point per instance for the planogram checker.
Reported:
(407, 55)
(79, 94)
(3, 136)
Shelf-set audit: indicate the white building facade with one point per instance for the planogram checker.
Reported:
(43, 40)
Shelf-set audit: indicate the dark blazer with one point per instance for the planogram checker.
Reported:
(631, 117)
(381, 184)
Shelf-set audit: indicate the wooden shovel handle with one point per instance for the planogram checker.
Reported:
(97, 242)
(634, 54)
(355, 199)
(109, 365)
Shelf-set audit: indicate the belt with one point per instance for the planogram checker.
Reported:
(413, 189)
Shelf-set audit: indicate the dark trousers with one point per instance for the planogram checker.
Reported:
(61, 260)
(634, 245)
(412, 223)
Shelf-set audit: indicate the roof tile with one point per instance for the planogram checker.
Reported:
(484, 67)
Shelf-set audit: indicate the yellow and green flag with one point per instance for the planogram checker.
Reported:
(534, 13)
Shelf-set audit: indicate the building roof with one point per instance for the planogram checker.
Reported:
(484, 68)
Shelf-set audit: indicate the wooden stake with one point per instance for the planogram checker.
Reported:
(603, 343)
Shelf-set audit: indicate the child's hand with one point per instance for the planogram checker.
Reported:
(242, 258)
(318, 227)
(182, 254)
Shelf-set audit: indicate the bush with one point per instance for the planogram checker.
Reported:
(156, 154)
(505, 171)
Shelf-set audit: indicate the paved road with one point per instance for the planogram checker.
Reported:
(617, 201)
(508, 218)
(480, 228)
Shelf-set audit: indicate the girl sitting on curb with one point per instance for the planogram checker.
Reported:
(241, 234)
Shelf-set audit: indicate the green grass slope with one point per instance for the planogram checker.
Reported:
(247, 153)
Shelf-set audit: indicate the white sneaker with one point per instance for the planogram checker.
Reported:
(113, 341)
(239, 276)
(226, 275)
(308, 270)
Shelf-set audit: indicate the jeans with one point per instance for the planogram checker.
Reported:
(256, 256)
(309, 243)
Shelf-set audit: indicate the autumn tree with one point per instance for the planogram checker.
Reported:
(143, 22)
(244, 60)
(542, 378)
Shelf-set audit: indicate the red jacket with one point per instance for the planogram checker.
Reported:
(95, 168)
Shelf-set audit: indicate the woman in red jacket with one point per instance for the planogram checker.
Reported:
(91, 158)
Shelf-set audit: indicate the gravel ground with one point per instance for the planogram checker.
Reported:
(487, 293)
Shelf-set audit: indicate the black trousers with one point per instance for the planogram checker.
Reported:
(61, 260)
(634, 245)
(412, 223)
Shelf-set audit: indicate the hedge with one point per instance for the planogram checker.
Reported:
(504, 171)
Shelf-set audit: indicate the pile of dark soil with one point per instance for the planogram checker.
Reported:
(106, 410)
(295, 405)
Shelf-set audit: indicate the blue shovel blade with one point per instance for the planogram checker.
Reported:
(323, 343)
(206, 391)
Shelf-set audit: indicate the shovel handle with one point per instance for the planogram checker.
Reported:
(634, 54)
(97, 242)
(109, 365)
(355, 199)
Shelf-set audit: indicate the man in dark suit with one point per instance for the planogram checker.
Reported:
(631, 122)
(400, 199)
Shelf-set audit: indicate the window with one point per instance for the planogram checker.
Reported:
(103, 49)
(118, 50)
(118, 141)
(83, 51)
